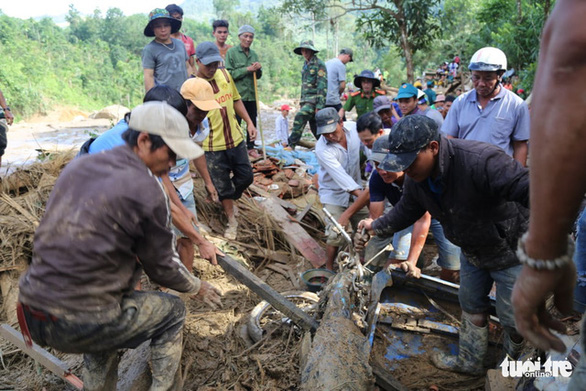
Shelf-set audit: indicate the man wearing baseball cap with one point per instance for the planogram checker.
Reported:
(282, 125)
(177, 181)
(388, 111)
(164, 59)
(243, 64)
(314, 88)
(480, 196)
(338, 155)
(78, 294)
(225, 147)
(336, 68)
(408, 97)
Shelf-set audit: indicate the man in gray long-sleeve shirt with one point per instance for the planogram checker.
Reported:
(107, 219)
(480, 196)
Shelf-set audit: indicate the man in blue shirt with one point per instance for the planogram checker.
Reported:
(489, 112)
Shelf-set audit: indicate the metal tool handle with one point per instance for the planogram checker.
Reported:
(338, 227)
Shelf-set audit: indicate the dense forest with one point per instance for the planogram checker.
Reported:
(95, 60)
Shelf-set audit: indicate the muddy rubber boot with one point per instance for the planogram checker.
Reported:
(165, 360)
(100, 371)
(512, 348)
(473, 347)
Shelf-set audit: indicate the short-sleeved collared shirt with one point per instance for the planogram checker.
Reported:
(339, 168)
(505, 119)
(336, 74)
(363, 102)
(225, 133)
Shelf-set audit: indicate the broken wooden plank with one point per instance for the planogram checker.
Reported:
(40, 355)
(295, 234)
(384, 379)
(278, 270)
(267, 293)
(293, 278)
(261, 192)
(300, 215)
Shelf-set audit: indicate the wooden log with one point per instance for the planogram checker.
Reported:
(340, 352)
(267, 293)
(295, 234)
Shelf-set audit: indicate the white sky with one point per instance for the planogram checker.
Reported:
(35, 8)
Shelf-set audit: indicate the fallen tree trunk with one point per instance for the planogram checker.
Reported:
(339, 358)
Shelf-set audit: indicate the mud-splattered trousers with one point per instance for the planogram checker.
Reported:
(314, 88)
(144, 315)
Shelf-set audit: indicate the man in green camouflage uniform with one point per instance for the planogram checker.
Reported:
(313, 91)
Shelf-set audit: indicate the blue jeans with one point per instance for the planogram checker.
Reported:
(475, 285)
(449, 253)
(580, 262)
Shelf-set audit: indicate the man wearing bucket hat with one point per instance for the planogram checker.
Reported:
(364, 97)
(338, 155)
(314, 88)
(242, 63)
(78, 294)
(490, 112)
(480, 196)
(164, 59)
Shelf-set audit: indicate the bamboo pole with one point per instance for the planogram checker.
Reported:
(259, 121)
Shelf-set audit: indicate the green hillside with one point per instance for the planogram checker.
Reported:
(95, 61)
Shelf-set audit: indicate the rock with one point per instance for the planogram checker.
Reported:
(114, 112)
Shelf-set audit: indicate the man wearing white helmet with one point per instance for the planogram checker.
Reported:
(489, 112)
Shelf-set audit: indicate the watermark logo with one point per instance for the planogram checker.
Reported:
(551, 368)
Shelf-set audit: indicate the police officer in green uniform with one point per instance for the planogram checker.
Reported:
(364, 97)
(314, 88)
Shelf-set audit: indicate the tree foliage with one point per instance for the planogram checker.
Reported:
(96, 60)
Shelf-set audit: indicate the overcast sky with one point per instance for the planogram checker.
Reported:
(35, 8)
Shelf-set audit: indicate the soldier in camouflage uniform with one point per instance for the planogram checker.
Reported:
(363, 99)
(313, 91)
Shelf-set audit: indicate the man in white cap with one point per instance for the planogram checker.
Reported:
(242, 63)
(78, 294)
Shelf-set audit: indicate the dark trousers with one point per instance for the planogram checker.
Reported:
(145, 315)
(250, 106)
(231, 161)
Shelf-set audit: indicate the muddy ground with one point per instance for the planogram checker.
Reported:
(217, 356)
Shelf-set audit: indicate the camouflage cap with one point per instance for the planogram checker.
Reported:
(408, 136)
(305, 45)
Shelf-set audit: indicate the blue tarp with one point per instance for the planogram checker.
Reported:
(287, 157)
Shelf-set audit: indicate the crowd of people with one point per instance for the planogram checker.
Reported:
(456, 166)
